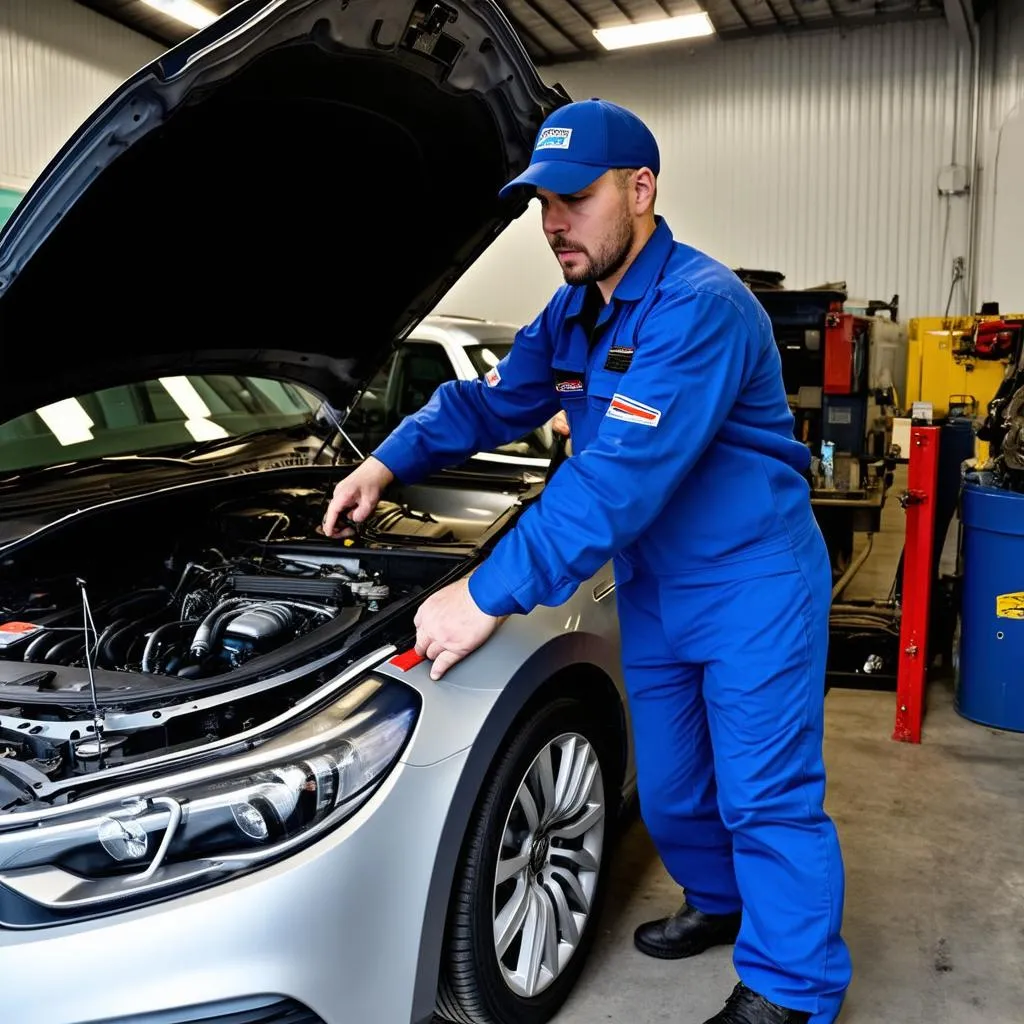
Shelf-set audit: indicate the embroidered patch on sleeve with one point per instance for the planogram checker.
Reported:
(619, 359)
(492, 377)
(623, 408)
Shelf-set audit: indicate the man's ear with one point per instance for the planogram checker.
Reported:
(645, 188)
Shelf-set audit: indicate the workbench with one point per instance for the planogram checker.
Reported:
(863, 637)
(861, 510)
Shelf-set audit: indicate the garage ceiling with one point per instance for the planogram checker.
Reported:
(562, 30)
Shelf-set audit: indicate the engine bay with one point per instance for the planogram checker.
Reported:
(138, 610)
(250, 579)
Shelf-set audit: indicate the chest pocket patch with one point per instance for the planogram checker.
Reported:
(619, 359)
(568, 382)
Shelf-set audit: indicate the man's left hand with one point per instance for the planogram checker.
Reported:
(449, 625)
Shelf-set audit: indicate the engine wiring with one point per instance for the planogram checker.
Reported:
(266, 579)
(230, 576)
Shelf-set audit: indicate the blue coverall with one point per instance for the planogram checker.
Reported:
(686, 473)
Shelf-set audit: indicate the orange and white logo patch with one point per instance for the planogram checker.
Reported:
(492, 377)
(623, 408)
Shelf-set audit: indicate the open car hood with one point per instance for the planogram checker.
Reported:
(285, 193)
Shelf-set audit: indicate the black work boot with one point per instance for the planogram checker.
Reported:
(686, 933)
(747, 1007)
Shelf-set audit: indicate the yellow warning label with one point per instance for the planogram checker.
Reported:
(1010, 606)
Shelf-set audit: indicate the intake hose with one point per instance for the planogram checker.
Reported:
(157, 636)
(60, 650)
(44, 639)
(111, 651)
(221, 623)
(105, 657)
(204, 639)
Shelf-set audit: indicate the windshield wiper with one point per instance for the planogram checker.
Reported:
(205, 447)
(107, 463)
(117, 463)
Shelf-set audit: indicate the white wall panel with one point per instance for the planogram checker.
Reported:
(814, 155)
(1001, 215)
(58, 60)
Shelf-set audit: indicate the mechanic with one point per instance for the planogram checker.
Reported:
(685, 472)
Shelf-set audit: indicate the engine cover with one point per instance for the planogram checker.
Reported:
(262, 623)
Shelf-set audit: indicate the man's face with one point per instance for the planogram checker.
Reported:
(592, 231)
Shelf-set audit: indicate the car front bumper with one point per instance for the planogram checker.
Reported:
(332, 935)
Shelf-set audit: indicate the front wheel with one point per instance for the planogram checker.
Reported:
(533, 872)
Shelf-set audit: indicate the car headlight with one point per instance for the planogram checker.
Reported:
(171, 835)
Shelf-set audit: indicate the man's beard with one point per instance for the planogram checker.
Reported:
(603, 263)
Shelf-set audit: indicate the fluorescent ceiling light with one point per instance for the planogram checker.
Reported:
(185, 396)
(187, 11)
(191, 403)
(205, 430)
(68, 421)
(663, 30)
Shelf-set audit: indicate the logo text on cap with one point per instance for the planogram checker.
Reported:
(554, 138)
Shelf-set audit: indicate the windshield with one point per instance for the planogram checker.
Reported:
(167, 413)
(486, 357)
(491, 347)
(416, 369)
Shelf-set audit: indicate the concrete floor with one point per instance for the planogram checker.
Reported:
(933, 842)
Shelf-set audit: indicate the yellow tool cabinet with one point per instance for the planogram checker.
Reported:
(938, 370)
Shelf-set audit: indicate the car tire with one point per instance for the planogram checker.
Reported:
(514, 948)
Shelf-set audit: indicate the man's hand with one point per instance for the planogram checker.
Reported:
(449, 626)
(356, 496)
(560, 424)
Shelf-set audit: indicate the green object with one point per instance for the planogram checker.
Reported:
(9, 199)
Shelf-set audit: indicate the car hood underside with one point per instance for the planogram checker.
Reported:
(286, 193)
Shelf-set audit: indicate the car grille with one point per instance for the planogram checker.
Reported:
(237, 1011)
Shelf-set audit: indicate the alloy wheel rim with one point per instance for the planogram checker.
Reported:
(548, 864)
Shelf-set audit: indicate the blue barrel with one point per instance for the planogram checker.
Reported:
(990, 666)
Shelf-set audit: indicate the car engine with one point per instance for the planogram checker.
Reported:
(220, 612)
(246, 580)
(157, 625)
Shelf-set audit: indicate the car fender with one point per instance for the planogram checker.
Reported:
(476, 705)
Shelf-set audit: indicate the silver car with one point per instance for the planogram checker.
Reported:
(229, 792)
(439, 349)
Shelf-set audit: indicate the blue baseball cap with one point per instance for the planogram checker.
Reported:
(581, 141)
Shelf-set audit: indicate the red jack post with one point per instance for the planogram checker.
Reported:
(918, 570)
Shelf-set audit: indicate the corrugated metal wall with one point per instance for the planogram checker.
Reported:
(58, 60)
(814, 155)
(1001, 216)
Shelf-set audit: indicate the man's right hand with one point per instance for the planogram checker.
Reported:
(356, 496)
